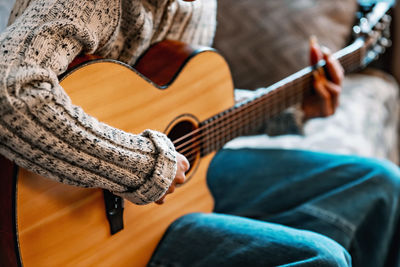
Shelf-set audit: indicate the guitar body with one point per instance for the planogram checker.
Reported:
(61, 225)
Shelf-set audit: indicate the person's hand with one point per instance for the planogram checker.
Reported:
(183, 165)
(324, 101)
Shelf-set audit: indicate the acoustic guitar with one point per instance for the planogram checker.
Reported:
(183, 91)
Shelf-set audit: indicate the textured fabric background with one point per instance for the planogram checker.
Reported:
(265, 41)
(5, 9)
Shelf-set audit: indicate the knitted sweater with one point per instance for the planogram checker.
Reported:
(42, 131)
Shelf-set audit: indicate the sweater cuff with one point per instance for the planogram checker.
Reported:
(164, 171)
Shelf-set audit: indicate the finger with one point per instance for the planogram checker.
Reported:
(180, 179)
(183, 162)
(310, 111)
(171, 189)
(315, 51)
(186, 164)
(323, 93)
(335, 69)
(335, 91)
(161, 200)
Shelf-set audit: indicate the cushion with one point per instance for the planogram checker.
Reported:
(267, 40)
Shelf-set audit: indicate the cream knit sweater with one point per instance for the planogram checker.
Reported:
(42, 131)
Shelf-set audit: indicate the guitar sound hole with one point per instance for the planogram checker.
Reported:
(186, 141)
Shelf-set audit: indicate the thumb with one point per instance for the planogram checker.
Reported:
(315, 51)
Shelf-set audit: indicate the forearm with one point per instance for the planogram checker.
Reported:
(39, 125)
(44, 132)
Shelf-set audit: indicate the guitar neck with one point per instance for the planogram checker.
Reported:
(246, 117)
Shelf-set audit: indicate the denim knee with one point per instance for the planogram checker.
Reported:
(384, 174)
(224, 240)
(327, 252)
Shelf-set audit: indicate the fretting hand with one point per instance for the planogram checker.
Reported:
(324, 101)
(180, 177)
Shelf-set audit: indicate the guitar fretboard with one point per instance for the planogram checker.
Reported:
(247, 117)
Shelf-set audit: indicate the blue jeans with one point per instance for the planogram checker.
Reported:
(292, 208)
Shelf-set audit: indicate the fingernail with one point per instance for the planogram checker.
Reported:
(313, 40)
(326, 51)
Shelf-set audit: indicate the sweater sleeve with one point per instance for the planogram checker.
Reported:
(42, 131)
(192, 22)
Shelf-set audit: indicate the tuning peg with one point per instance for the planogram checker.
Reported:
(380, 26)
(364, 25)
(356, 31)
(385, 42)
(370, 56)
(362, 28)
(387, 32)
(378, 49)
(386, 19)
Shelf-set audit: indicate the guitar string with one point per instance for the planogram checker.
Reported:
(183, 137)
(260, 116)
(344, 63)
(222, 131)
(262, 98)
(258, 113)
(246, 108)
(250, 112)
(197, 146)
(240, 111)
(227, 135)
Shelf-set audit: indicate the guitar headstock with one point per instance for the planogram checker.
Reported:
(374, 30)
